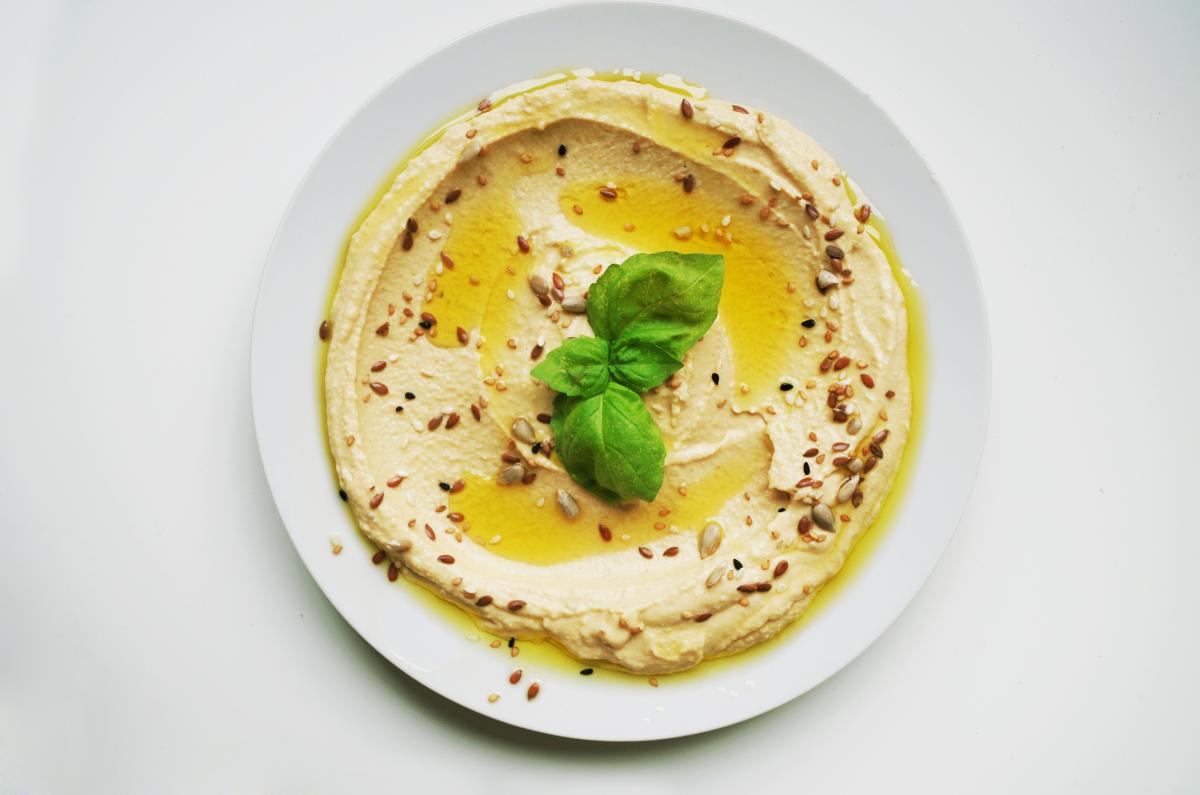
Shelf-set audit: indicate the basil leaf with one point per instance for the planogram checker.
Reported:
(666, 298)
(641, 364)
(577, 367)
(646, 314)
(609, 443)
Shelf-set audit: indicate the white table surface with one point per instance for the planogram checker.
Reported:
(157, 631)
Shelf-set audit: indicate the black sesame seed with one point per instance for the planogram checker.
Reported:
(785, 387)
(444, 486)
(737, 564)
(399, 409)
(342, 493)
(809, 323)
(536, 448)
(807, 470)
(586, 672)
(425, 324)
(716, 378)
(562, 149)
(409, 396)
(511, 642)
(781, 510)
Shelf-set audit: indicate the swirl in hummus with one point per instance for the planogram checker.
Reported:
(784, 428)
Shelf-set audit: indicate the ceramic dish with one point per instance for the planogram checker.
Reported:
(433, 643)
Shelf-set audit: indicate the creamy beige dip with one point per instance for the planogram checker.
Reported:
(784, 428)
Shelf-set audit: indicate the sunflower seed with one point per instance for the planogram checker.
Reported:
(715, 576)
(523, 430)
(822, 516)
(538, 283)
(854, 426)
(826, 279)
(575, 304)
(567, 503)
(710, 539)
(510, 474)
(855, 465)
(847, 489)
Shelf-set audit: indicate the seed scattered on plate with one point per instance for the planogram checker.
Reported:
(510, 474)
(822, 516)
(567, 504)
(710, 539)
(523, 431)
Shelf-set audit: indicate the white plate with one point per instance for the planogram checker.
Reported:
(736, 63)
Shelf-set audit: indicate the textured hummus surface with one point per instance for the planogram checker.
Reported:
(793, 409)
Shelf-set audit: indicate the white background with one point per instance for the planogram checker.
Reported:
(158, 632)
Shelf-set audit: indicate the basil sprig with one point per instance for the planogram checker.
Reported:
(646, 313)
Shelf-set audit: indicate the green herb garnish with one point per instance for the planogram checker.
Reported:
(646, 313)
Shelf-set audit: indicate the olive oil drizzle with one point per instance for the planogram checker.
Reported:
(546, 654)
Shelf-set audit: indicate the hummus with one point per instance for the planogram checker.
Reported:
(784, 428)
